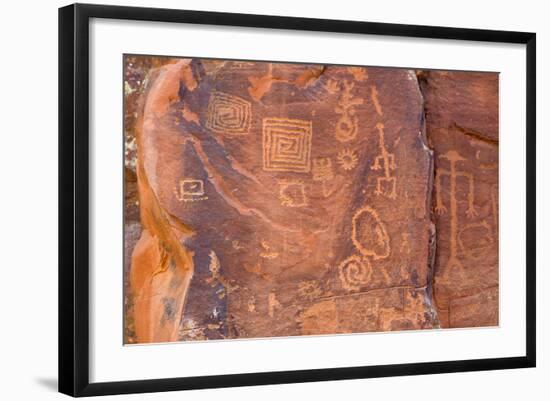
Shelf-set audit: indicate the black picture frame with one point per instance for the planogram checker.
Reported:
(74, 194)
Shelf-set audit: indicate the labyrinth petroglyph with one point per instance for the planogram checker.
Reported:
(287, 145)
(228, 114)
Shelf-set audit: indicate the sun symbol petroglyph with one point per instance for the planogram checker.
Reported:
(347, 159)
(369, 234)
(228, 114)
(287, 145)
(354, 272)
(292, 193)
(347, 125)
(190, 190)
(453, 157)
(386, 161)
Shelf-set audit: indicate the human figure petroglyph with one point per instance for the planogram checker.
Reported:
(347, 125)
(453, 157)
(386, 161)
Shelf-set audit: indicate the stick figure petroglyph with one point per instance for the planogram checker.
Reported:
(453, 157)
(385, 160)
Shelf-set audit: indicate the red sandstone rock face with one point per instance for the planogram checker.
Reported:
(287, 199)
(462, 126)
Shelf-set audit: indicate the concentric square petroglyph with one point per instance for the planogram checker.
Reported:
(287, 145)
(228, 114)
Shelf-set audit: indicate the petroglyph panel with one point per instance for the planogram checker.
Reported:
(285, 199)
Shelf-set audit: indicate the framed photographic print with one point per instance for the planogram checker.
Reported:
(249, 199)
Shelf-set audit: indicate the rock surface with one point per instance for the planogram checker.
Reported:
(462, 127)
(291, 199)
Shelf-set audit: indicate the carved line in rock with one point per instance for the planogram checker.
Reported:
(228, 114)
(287, 145)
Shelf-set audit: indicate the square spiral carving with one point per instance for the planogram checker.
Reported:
(228, 114)
(287, 145)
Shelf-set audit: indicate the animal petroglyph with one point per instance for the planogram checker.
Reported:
(228, 114)
(292, 193)
(347, 159)
(453, 157)
(369, 234)
(347, 125)
(385, 185)
(190, 190)
(354, 272)
(287, 145)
